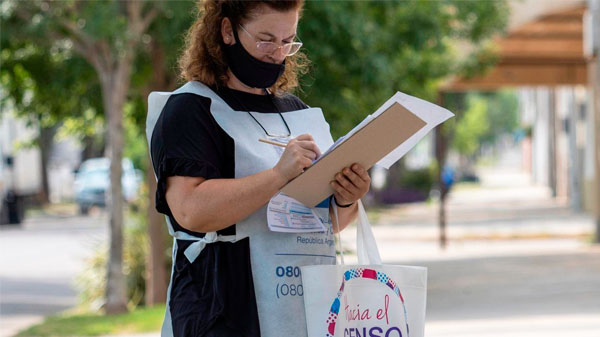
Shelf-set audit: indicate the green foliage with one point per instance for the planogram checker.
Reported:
(482, 118)
(137, 321)
(166, 36)
(107, 37)
(503, 114)
(92, 281)
(136, 147)
(87, 123)
(44, 85)
(364, 51)
(44, 81)
(104, 20)
(421, 180)
(361, 53)
(49, 83)
(472, 127)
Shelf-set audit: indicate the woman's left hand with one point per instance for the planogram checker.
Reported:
(351, 184)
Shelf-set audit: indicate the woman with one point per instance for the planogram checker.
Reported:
(231, 275)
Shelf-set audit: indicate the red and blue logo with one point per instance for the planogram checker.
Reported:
(362, 273)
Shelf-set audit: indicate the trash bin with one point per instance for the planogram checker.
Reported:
(13, 207)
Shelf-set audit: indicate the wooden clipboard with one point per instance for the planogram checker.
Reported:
(367, 146)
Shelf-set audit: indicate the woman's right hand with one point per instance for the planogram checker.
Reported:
(298, 155)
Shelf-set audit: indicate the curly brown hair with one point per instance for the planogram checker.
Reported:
(203, 59)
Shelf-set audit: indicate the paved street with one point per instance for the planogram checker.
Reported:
(38, 265)
(518, 262)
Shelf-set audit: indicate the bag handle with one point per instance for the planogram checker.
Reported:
(366, 246)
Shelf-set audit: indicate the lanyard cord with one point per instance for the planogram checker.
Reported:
(257, 122)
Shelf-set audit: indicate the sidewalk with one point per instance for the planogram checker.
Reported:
(504, 215)
(518, 262)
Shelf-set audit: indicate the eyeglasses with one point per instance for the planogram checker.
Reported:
(268, 47)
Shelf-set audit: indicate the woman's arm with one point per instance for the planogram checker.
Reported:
(209, 205)
(345, 215)
(351, 184)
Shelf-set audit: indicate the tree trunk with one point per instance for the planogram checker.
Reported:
(441, 148)
(395, 174)
(440, 154)
(92, 148)
(114, 88)
(113, 64)
(156, 273)
(442, 217)
(46, 139)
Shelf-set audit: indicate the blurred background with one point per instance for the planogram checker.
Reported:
(501, 203)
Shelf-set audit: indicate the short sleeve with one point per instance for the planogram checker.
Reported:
(186, 142)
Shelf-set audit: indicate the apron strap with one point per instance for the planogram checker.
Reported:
(194, 250)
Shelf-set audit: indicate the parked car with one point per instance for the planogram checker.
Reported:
(92, 183)
(20, 170)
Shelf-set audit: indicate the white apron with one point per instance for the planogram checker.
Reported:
(275, 257)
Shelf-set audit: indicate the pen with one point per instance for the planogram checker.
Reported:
(272, 142)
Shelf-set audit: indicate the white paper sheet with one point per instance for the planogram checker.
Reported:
(430, 113)
(286, 214)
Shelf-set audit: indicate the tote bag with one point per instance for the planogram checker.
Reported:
(365, 300)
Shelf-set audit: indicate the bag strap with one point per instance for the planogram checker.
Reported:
(337, 225)
(366, 246)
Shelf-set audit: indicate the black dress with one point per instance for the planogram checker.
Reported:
(214, 295)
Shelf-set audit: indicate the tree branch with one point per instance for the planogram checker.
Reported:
(77, 34)
(71, 27)
(140, 24)
(82, 43)
(85, 44)
(147, 20)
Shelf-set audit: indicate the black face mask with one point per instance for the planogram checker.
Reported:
(251, 71)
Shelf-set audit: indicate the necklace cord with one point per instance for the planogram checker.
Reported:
(257, 122)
